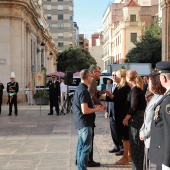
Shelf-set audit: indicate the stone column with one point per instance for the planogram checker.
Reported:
(165, 4)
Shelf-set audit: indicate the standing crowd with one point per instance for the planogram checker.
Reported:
(138, 111)
(139, 114)
(56, 89)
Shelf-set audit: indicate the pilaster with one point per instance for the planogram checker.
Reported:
(165, 4)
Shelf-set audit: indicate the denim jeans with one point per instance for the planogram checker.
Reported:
(84, 147)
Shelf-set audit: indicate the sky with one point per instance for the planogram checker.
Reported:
(88, 14)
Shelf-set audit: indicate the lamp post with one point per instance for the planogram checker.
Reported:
(41, 65)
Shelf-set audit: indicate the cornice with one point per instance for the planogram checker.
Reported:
(165, 4)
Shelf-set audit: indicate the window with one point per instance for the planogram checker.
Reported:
(60, 35)
(60, 16)
(48, 17)
(60, 26)
(60, 44)
(60, 7)
(70, 8)
(133, 37)
(133, 18)
(49, 7)
(71, 18)
(50, 25)
(71, 26)
(71, 35)
(48, 0)
(60, 0)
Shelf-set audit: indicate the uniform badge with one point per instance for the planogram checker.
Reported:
(157, 112)
(168, 108)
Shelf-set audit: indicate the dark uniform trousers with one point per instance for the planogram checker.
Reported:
(54, 103)
(0, 102)
(159, 150)
(13, 101)
(1, 94)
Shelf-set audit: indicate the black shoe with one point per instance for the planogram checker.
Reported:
(76, 162)
(50, 113)
(57, 114)
(114, 150)
(119, 153)
(16, 114)
(93, 164)
(9, 114)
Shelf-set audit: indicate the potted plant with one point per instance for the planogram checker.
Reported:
(41, 97)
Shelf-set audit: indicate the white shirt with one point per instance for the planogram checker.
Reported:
(63, 87)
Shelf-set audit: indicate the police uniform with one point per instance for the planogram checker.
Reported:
(54, 94)
(159, 150)
(12, 90)
(1, 94)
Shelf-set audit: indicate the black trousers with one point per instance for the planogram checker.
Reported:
(117, 139)
(12, 101)
(0, 102)
(54, 103)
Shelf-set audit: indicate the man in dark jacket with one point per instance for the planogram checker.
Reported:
(1, 93)
(54, 94)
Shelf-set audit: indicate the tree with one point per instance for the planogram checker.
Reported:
(149, 48)
(74, 58)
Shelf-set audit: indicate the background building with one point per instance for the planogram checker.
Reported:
(60, 18)
(26, 46)
(95, 48)
(124, 23)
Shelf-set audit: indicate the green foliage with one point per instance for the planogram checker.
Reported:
(43, 93)
(122, 67)
(74, 58)
(149, 48)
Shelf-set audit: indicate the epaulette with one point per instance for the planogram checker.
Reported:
(8, 84)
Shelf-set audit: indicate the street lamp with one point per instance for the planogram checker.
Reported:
(42, 47)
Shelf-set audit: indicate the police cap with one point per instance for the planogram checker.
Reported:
(163, 66)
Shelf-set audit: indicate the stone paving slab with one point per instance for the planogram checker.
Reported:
(35, 141)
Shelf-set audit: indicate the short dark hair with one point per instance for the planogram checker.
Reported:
(156, 84)
(84, 73)
(93, 68)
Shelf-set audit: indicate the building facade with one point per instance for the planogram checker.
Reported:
(95, 48)
(124, 23)
(60, 18)
(26, 46)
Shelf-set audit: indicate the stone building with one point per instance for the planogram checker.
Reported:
(26, 45)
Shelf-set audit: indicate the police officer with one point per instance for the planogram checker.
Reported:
(54, 94)
(1, 93)
(12, 90)
(159, 151)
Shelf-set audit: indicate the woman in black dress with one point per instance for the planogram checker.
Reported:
(119, 97)
(134, 119)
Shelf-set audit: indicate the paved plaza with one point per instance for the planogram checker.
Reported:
(35, 141)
